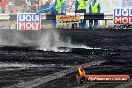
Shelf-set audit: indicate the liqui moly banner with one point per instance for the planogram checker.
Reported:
(123, 16)
(28, 21)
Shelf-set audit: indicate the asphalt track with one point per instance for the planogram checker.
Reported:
(26, 66)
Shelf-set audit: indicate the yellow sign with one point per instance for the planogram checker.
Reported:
(68, 18)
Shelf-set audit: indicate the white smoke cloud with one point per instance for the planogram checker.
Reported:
(47, 40)
(13, 38)
(52, 41)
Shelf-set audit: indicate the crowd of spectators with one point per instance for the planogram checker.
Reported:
(22, 6)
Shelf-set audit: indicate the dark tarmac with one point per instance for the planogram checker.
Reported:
(25, 63)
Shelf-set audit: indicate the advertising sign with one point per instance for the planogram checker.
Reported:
(68, 18)
(123, 18)
(67, 21)
(30, 21)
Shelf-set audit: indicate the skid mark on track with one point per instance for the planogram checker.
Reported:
(51, 77)
(84, 86)
(129, 85)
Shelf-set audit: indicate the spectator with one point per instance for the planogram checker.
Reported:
(80, 7)
(35, 5)
(27, 8)
(94, 8)
(55, 6)
(10, 6)
(3, 5)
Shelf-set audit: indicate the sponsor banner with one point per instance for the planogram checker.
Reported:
(68, 25)
(28, 21)
(123, 16)
(67, 21)
(108, 78)
(68, 18)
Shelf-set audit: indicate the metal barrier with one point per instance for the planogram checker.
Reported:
(101, 16)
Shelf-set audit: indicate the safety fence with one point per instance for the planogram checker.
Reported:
(9, 21)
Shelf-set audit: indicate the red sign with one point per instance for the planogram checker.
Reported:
(123, 20)
(28, 25)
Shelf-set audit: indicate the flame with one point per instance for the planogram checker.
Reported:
(81, 71)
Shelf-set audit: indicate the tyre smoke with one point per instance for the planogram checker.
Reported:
(13, 38)
(47, 40)
(52, 41)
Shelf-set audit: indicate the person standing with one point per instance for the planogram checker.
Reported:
(55, 6)
(94, 8)
(80, 7)
(3, 5)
